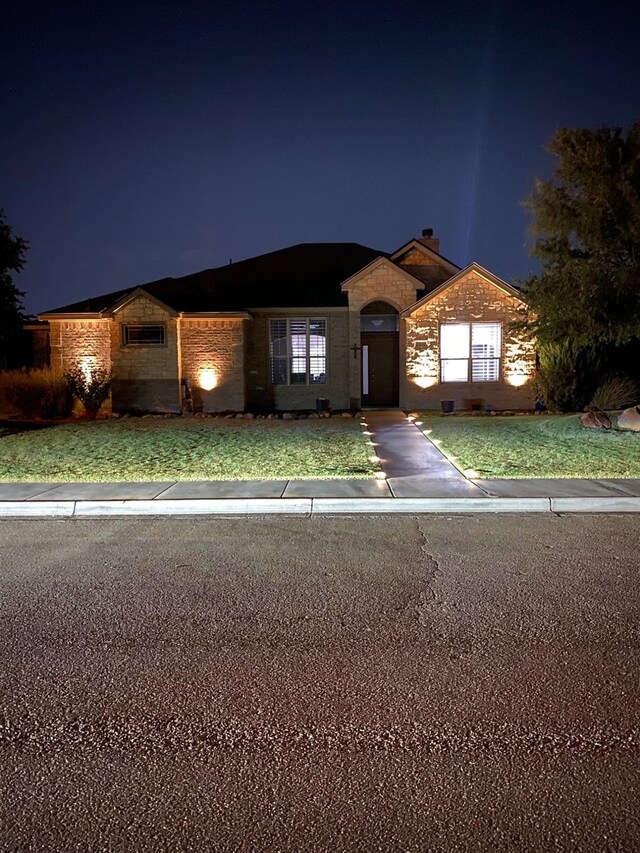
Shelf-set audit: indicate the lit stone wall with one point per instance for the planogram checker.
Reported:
(147, 378)
(384, 283)
(212, 354)
(80, 343)
(262, 394)
(423, 268)
(472, 299)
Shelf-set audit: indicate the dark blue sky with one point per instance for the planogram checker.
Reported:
(148, 139)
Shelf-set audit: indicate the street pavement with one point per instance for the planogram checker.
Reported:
(406, 683)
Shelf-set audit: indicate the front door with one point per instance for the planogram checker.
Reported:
(380, 368)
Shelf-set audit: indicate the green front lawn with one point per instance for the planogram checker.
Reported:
(534, 446)
(157, 449)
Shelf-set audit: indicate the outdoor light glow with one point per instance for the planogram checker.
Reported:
(374, 459)
(87, 365)
(517, 379)
(427, 431)
(436, 441)
(380, 475)
(410, 418)
(471, 473)
(419, 423)
(207, 378)
(366, 432)
(425, 381)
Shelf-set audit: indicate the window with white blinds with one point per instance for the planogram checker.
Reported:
(298, 351)
(470, 352)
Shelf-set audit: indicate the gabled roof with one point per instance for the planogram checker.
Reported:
(134, 294)
(430, 253)
(472, 268)
(381, 261)
(305, 275)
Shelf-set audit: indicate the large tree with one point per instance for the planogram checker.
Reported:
(12, 260)
(586, 219)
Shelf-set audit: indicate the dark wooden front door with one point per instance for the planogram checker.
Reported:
(380, 366)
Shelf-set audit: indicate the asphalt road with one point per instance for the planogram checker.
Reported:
(280, 684)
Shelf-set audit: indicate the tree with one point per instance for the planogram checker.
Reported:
(587, 222)
(12, 260)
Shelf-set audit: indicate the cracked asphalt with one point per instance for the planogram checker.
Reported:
(326, 684)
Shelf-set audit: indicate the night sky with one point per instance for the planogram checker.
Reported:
(141, 140)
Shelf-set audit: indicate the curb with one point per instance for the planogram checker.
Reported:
(316, 506)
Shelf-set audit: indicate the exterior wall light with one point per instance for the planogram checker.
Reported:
(87, 365)
(425, 381)
(207, 379)
(517, 379)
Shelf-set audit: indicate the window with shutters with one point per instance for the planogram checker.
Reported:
(470, 352)
(298, 351)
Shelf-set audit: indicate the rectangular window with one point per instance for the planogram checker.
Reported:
(143, 336)
(470, 352)
(298, 351)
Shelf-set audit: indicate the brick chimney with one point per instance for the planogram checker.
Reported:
(429, 240)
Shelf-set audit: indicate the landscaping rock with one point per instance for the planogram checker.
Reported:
(314, 415)
(345, 415)
(288, 416)
(239, 416)
(249, 416)
(595, 420)
(630, 419)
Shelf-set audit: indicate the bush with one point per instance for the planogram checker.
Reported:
(38, 393)
(92, 389)
(616, 392)
(567, 376)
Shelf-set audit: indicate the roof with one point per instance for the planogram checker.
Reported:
(305, 275)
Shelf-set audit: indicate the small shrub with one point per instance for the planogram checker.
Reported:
(38, 393)
(615, 392)
(91, 390)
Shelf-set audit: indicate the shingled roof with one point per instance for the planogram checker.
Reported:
(305, 275)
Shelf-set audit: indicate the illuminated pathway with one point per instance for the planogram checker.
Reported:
(413, 465)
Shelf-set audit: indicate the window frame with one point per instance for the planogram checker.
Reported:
(470, 358)
(289, 355)
(128, 343)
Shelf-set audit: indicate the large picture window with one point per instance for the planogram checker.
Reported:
(298, 351)
(143, 336)
(470, 352)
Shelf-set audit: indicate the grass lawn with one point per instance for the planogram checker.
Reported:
(157, 449)
(534, 446)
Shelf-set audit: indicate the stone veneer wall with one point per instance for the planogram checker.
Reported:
(424, 268)
(80, 343)
(213, 351)
(384, 283)
(473, 299)
(262, 394)
(147, 377)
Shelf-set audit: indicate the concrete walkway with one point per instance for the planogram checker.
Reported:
(413, 465)
(419, 479)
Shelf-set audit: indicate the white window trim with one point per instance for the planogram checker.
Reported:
(469, 380)
(307, 321)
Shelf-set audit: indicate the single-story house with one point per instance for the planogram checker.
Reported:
(339, 322)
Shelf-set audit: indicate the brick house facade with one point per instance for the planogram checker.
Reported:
(338, 322)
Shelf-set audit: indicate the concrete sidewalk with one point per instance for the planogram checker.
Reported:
(418, 479)
(313, 497)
